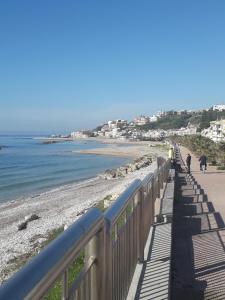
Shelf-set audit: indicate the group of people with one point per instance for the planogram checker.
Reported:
(202, 160)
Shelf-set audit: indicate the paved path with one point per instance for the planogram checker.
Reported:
(213, 182)
(198, 264)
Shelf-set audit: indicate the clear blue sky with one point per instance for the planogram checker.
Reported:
(73, 64)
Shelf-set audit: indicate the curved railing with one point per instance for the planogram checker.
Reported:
(111, 244)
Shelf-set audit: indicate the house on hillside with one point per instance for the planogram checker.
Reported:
(82, 134)
(216, 131)
(219, 107)
(141, 120)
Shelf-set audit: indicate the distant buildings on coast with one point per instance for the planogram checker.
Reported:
(122, 129)
(82, 134)
(219, 107)
(216, 131)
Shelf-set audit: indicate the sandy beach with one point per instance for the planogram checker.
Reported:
(60, 206)
(129, 149)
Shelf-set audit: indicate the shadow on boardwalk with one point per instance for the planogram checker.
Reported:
(154, 278)
(198, 252)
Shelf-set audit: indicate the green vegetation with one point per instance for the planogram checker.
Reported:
(167, 122)
(52, 235)
(100, 204)
(175, 121)
(76, 267)
(202, 145)
(207, 116)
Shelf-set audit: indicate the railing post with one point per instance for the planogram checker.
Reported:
(96, 249)
(108, 261)
(65, 285)
(161, 177)
(151, 191)
(158, 185)
(141, 225)
(158, 162)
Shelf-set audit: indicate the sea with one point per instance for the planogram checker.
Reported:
(28, 167)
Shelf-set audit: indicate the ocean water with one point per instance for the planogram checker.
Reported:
(28, 167)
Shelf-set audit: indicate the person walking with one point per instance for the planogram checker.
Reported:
(188, 162)
(203, 163)
(171, 157)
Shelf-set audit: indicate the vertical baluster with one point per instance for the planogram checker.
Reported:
(117, 267)
(131, 238)
(113, 271)
(128, 248)
(65, 285)
(116, 274)
(79, 293)
(120, 264)
(76, 295)
(88, 286)
(82, 290)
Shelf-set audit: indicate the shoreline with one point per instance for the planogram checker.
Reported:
(57, 207)
(129, 150)
(101, 140)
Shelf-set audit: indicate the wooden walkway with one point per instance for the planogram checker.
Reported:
(198, 248)
(195, 267)
(155, 276)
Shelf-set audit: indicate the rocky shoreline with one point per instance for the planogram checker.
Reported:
(122, 171)
(54, 210)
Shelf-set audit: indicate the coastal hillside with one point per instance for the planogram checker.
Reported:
(173, 120)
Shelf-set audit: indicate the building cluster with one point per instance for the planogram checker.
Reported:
(143, 120)
(122, 129)
(219, 107)
(81, 134)
(216, 131)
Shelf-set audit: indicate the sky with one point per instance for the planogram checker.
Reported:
(74, 64)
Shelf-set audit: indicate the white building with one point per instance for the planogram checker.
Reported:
(117, 124)
(189, 130)
(81, 134)
(154, 118)
(141, 120)
(154, 134)
(181, 112)
(219, 107)
(160, 114)
(216, 131)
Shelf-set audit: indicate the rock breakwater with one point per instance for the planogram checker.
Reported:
(137, 164)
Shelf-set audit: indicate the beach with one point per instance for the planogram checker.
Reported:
(60, 207)
(130, 149)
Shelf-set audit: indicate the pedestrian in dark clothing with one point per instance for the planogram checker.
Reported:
(188, 162)
(203, 162)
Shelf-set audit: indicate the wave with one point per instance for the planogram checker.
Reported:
(24, 183)
(8, 167)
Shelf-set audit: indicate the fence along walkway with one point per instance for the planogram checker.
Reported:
(113, 243)
(152, 278)
(198, 264)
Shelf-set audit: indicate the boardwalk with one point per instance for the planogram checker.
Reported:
(198, 257)
(184, 257)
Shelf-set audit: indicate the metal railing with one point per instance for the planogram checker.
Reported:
(112, 244)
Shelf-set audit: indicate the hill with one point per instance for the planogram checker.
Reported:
(176, 121)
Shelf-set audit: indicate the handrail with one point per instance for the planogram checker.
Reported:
(110, 254)
(147, 179)
(44, 268)
(113, 213)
